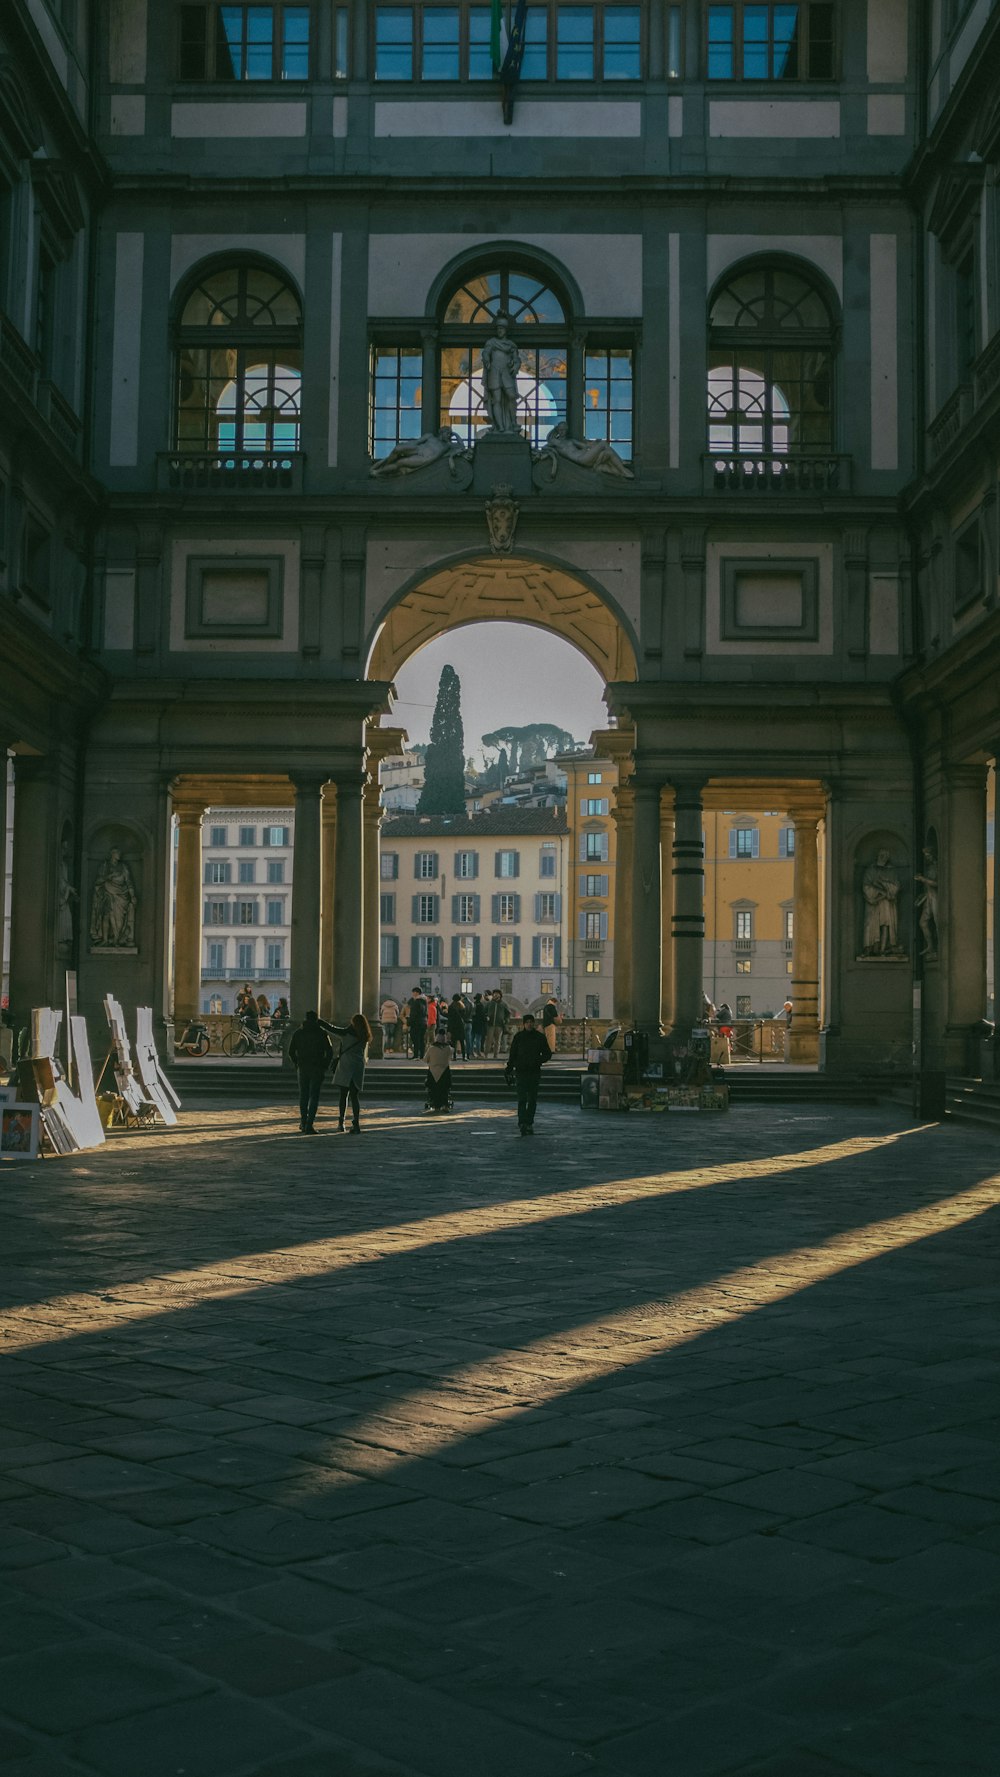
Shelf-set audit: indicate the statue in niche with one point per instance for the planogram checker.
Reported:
(592, 453)
(411, 454)
(113, 904)
(65, 896)
(501, 362)
(880, 892)
(928, 903)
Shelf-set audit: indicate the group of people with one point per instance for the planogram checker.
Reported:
(251, 1008)
(311, 1051)
(476, 1026)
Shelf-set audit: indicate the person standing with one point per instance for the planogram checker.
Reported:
(478, 1024)
(388, 1013)
(529, 1052)
(505, 1017)
(467, 1048)
(312, 1052)
(440, 1056)
(349, 1074)
(550, 1018)
(455, 1025)
(418, 1023)
(494, 1024)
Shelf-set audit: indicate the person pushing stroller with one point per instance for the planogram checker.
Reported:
(440, 1056)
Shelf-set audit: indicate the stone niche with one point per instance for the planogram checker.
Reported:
(102, 842)
(883, 899)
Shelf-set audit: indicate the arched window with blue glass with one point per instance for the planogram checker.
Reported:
(525, 305)
(239, 363)
(771, 355)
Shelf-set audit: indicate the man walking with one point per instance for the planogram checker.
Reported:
(312, 1052)
(529, 1053)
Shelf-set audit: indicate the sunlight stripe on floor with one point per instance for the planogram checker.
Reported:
(97, 1311)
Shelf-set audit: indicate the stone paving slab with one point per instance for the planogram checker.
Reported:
(652, 1447)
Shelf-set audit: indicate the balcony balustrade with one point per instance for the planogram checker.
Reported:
(804, 473)
(237, 472)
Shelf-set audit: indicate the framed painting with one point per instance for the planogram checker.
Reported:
(19, 1131)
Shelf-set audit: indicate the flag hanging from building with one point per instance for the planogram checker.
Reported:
(507, 50)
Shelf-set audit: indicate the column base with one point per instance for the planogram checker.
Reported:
(802, 1047)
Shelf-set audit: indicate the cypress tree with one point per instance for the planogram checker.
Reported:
(444, 767)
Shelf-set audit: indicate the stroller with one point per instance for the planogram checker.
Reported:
(438, 1094)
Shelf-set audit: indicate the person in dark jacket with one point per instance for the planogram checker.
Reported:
(312, 1052)
(350, 1071)
(455, 1025)
(418, 1023)
(478, 1024)
(529, 1051)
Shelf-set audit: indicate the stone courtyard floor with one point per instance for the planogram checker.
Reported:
(651, 1447)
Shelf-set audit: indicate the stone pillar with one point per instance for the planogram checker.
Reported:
(688, 925)
(371, 925)
(802, 1037)
(348, 925)
(961, 894)
(3, 846)
(624, 813)
(187, 913)
(306, 895)
(35, 979)
(667, 917)
(646, 913)
(327, 878)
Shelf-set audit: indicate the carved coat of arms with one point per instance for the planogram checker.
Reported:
(501, 519)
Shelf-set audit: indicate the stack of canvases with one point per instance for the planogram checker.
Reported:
(611, 1075)
(150, 1095)
(70, 1119)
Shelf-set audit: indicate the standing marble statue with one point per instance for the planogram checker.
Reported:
(65, 896)
(880, 890)
(928, 903)
(112, 908)
(501, 362)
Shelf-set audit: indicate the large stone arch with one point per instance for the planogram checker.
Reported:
(519, 589)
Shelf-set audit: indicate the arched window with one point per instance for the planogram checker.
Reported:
(770, 378)
(239, 364)
(539, 326)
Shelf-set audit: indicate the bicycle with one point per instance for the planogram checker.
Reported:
(195, 1041)
(247, 1041)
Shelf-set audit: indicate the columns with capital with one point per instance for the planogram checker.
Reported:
(624, 816)
(667, 916)
(307, 865)
(328, 822)
(348, 924)
(187, 912)
(371, 924)
(688, 923)
(802, 1037)
(646, 913)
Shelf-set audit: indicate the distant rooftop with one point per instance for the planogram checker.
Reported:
(497, 821)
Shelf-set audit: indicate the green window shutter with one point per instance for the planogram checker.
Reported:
(558, 953)
(495, 910)
(732, 843)
(517, 909)
(536, 953)
(475, 910)
(415, 908)
(475, 953)
(454, 953)
(454, 912)
(494, 953)
(517, 953)
(414, 953)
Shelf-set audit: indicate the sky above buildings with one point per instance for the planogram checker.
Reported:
(511, 673)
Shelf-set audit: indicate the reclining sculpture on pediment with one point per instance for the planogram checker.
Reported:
(439, 460)
(578, 463)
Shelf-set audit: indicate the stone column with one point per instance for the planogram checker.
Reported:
(371, 925)
(802, 1037)
(667, 917)
(327, 877)
(35, 979)
(348, 924)
(3, 845)
(307, 859)
(961, 893)
(624, 814)
(688, 924)
(646, 912)
(188, 893)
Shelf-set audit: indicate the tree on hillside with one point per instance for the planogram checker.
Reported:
(444, 762)
(530, 745)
